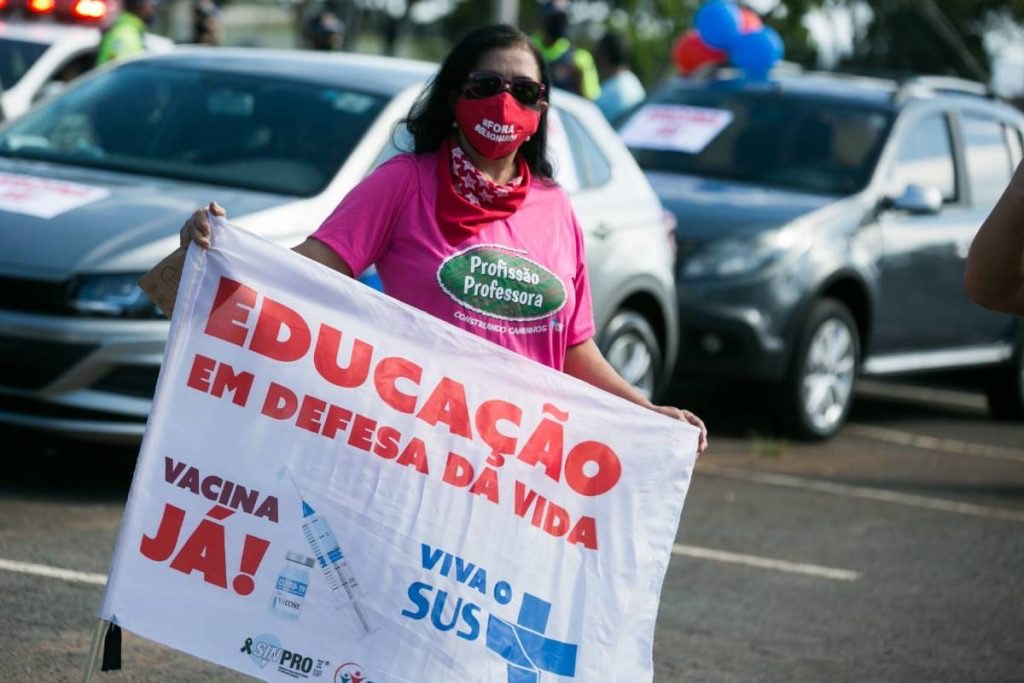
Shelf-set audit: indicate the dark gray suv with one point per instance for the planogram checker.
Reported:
(823, 223)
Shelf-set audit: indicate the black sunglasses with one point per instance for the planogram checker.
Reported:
(482, 84)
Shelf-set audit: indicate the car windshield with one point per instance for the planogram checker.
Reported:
(17, 57)
(236, 130)
(798, 142)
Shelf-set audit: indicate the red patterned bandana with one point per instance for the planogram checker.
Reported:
(467, 200)
(475, 187)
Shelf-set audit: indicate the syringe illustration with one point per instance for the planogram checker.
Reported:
(332, 561)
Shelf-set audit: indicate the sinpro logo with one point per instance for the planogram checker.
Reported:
(267, 649)
(350, 672)
(500, 283)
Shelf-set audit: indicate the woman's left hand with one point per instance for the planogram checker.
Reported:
(584, 361)
(687, 416)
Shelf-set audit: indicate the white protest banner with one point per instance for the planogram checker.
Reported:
(334, 486)
(675, 127)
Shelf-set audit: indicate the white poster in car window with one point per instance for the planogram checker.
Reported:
(45, 198)
(675, 127)
(336, 487)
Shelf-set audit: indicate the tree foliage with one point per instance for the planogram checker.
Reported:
(901, 36)
(932, 36)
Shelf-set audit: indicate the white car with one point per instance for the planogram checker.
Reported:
(95, 183)
(38, 59)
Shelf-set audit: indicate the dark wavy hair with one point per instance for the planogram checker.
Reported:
(430, 119)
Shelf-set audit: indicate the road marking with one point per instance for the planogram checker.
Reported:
(867, 493)
(932, 443)
(765, 563)
(53, 572)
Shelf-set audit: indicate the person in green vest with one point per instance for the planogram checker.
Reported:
(125, 35)
(572, 68)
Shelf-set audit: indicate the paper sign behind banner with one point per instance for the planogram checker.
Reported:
(675, 127)
(336, 487)
(43, 197)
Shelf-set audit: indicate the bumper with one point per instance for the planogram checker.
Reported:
(85, 378)
(732, 343)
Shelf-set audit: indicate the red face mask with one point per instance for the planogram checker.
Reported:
(496, 126)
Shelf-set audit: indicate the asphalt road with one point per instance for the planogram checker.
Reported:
(892, 553)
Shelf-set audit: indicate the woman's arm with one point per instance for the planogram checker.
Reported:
(995, 265)
(584, 361)
(197, 229)
(321, 253)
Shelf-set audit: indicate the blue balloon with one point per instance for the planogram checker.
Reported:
(718, 23)
(756, 53)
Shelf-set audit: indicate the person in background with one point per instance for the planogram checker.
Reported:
(325, 31)
(620, 88)
(478, 175)
(572, 68)
(207, 24)
(994, 277)
(126, 35)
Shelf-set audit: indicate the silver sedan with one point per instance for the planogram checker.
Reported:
(95, 183)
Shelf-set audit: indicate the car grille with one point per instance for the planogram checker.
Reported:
(34, 363)
(22, 406)
(34, 296)
(130, 380)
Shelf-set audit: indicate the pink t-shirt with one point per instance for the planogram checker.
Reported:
(520, 282)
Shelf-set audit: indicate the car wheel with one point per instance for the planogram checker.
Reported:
(1005, 388)
(631, 347)
(819, 390)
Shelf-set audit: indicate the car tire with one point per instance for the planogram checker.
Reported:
(1005, 388)
(819, 390)
(631, 347)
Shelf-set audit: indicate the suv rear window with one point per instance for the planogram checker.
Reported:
(777, 139)
(989, 164)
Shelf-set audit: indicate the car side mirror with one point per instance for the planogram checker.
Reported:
(917, 199)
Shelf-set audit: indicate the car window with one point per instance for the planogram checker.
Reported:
(559, 153)
(592, 166)
(75, 66)
(988, 158)
(924, 157)
(792, 141)
(16, 58)
(237, 130)
(398, 142)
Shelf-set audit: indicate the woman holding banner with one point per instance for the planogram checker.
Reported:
(476, 194)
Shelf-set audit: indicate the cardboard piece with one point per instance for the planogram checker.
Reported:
(161, 283)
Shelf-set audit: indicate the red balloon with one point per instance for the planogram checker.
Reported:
(691, 53)
(749, 21)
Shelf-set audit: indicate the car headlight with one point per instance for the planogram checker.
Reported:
(734, 256)
(116, 296)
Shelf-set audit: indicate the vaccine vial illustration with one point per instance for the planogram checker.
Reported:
(292, 583)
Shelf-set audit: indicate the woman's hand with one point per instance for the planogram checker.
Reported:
(197, 227)
(584, 361)
(686, 416)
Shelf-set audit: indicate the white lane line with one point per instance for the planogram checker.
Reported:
(52, 572)
(867, 493)
(932, 443)
(765, 563)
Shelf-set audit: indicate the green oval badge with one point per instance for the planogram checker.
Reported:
(500, 283)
